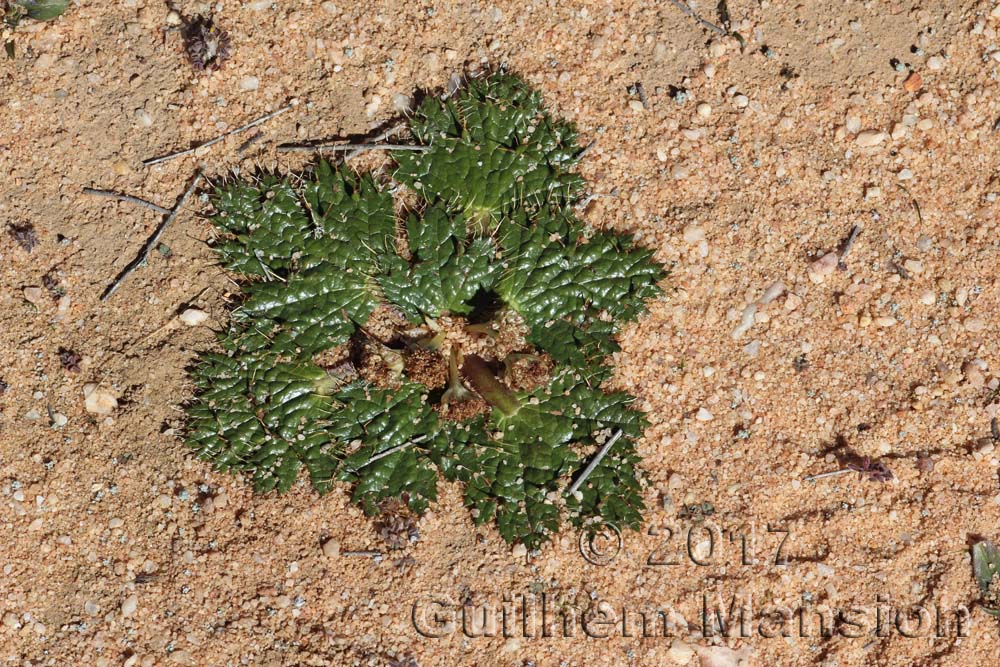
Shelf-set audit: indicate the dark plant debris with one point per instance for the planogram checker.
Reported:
(800, 363)
(51, 283)
(208, 47)
(874, 471)
(70, 360)
(867, 468)
(24, 235)
(396, 525)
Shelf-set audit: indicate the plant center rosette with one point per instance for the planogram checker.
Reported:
(466, 337)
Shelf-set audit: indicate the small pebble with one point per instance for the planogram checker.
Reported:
(34, 295)
(680, 653)
(192, 317)
(331, 548)
(973, 375)
(249, 83)
(130, 605)
(519, 551)
(823, 267)
(913, 82)
(870, 138)
(704, 110)
(741, 101)
(182, 657)
(401, 103)
(693, 234)
(98, 400)
(716, 49)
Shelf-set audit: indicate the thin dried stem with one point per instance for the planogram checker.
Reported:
(690, 12)
(391, 451)
(368, 554)
(355, 148)
(832, 473)
(848, 243)
(392, 131)
(246, 145)
(143, 255)
(127, 198)
(594, 462)
(212, 142)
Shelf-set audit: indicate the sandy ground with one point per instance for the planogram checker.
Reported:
(118, 548)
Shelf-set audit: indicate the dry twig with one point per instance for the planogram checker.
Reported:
(392, 131)
(594, 462)
(690, 12)
(143, 255)
(212, 142)
(355, 148)
(128, 198)
(391, 451)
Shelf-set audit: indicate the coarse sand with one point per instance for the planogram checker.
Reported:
(743, 159)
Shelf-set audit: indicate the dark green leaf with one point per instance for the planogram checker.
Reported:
(493, 148)
(380, 420)
(258, 415)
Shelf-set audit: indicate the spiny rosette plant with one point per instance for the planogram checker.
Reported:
(467, 337)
